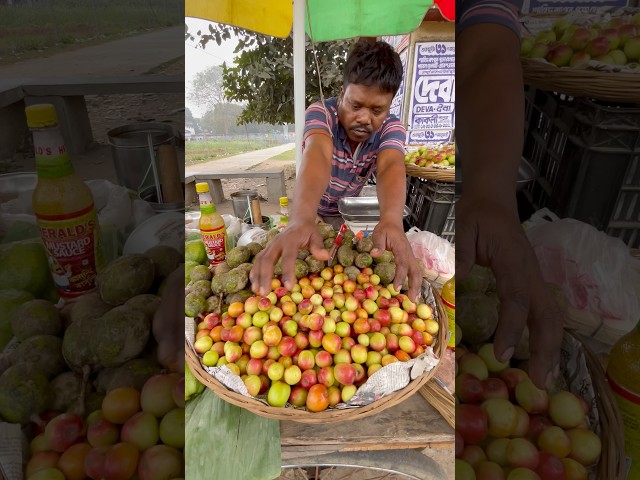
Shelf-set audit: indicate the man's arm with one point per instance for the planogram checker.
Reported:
(313, 177)
(389, 233)
(490, 130)
(490, 109)
(311, 183)
(391, 186)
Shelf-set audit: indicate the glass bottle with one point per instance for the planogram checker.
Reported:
(64, 208)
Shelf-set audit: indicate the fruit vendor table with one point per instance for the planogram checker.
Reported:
(413, 424)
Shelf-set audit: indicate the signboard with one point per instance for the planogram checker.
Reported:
(567, 6)
(398, 101)
(432, 105)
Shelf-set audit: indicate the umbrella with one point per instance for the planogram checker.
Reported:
(322, 20)
(330, 19)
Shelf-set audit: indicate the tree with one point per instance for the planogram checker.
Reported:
(223, 119)
(206, 89)
(263, 76)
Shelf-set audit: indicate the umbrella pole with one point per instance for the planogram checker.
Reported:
(299, 91)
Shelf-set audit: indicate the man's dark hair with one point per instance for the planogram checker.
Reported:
(373, 64)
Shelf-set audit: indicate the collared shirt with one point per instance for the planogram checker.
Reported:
(502, 12)
(350, 170)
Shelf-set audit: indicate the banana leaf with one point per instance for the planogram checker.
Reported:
(225, 442)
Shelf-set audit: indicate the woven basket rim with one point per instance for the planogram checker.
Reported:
(439, 174)
(609, 86)
(611, 464)
(441, 400)
(329, 415)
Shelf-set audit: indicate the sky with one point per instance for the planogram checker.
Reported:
(199, 59)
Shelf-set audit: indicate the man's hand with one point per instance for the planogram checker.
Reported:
(168, 323)
(391, 236)
(488, 233)
(285, 245)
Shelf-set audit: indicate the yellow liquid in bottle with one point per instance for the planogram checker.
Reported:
(65, 213)
(448, 295)
(623, 373)
(212, 227)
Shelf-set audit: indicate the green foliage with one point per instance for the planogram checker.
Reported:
(206, 90)
(262, 78)
(247, 445)
(191, 121)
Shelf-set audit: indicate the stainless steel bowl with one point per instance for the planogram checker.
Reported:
(362, 209)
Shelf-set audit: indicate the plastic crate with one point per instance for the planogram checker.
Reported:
(588, 158)
(547, 125)
(432, 206)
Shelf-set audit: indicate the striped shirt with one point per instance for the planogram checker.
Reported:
(350, 170)
(502, 12)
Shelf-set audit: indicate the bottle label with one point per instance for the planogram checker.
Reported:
(206, 203)
(629, 404)
(52, 158)
(451, 320)
(73, 246)
(214, 243)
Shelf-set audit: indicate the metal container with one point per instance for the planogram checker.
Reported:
(264, 225)
(241, 202)
(131, 147)
(150, 196)
(362, 209)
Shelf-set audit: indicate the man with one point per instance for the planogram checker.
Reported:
(489, 133)
(347, 139)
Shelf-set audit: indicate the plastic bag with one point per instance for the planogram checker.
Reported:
(596, 272)
(437, 253)
(118, 214)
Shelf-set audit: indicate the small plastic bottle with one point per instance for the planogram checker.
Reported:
(449, 299)
(623, 374)
(211, 225)
(284, 213)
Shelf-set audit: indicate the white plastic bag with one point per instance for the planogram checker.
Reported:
(438, 254)
(118, 213)
(596, 272)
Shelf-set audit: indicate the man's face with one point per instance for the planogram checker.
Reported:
(362, 109)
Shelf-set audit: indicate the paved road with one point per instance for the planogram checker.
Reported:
(133, 55)
(128, 56)
(244, 161)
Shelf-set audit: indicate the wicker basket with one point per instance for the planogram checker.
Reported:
(609, 86)
(447, 175)
(611, 465)
(441, 400)
(331, 414)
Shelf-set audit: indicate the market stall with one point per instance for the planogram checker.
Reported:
(314, 315)
(320, 428)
